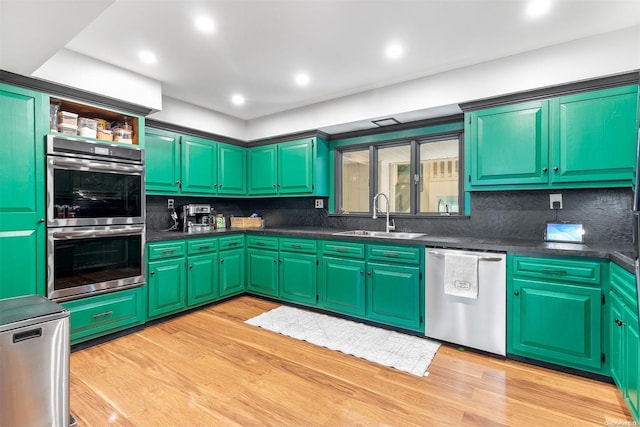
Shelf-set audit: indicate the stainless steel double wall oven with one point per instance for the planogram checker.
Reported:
(95, 217)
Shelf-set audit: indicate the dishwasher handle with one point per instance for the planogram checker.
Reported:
(480, 258)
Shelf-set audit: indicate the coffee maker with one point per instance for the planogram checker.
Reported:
(196, 218)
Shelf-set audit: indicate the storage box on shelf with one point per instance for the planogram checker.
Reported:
(92, 122)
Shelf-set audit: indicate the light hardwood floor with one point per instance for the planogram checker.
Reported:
(208, 368)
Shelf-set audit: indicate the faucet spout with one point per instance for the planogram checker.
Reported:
(389, 225)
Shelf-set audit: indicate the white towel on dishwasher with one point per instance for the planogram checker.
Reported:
(461, 275)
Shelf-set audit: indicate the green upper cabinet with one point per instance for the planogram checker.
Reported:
(23, 125)
(509, 145)
(290, 168)
(263, 170)
(573, 141)
(199, 165)
(596, 136)
(162, 158)
(232, 170)
(183, 164)
(296, 167)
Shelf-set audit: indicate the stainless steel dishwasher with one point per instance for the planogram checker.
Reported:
(34, 362)
(477, 319)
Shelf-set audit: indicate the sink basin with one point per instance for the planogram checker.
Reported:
(382, 234)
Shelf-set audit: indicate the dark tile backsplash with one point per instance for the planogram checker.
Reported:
(605, 213)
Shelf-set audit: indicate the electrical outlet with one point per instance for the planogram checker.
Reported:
(170, 204)
(319, 203)
(555, 201)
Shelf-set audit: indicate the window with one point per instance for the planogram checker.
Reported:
(355, 181)
(419, 176)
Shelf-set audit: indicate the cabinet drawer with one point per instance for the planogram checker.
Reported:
(262, 242)
(166, 250)
(403, 254)
(299, 245)
(343, 249)
(95, 316)
(200, 246)
(624, 283)
(578, 271)
(231, 242)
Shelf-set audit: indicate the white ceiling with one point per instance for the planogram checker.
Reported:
(259, 45)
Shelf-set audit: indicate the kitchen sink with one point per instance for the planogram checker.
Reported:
(382, 234)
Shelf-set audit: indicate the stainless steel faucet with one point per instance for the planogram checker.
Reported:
(389, 226)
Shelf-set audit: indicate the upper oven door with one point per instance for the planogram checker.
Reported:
(83, 192)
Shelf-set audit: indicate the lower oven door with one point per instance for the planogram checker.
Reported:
(88, 260)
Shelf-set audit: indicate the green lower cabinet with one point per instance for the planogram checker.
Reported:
(298, 278)
(343, 286)
(100, 315)
(556, 323)
(624, 337)
(202, 279)
(393, 295)
(262, 272)
(167, 282)
(232, 272)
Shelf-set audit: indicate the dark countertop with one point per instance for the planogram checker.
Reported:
(622, 254)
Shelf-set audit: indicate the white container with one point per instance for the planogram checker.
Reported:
(68, 129)
(87, 127)
(67, 118)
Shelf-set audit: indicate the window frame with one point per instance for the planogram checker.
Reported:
(414, 143)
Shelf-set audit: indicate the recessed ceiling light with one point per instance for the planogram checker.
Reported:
(147, 57)
(302, 79)
(394, 51)
(204, 24)
(237, 99)
(537, 8)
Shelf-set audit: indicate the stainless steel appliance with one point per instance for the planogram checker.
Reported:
(92, 183)
(196, 218)
(95, 217)
(476, 321)
(34, 355)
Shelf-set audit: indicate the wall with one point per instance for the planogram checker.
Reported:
(605, 213)
(191, 116)
(607, 54)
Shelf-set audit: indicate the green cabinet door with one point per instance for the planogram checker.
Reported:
(99, 315)
(232, 170)
(343, 286)
(23, 126)
(162, 162)
(632, 361)
(556, 323)
(262, 272)
(199, 165)
(232, 272)
(296, 167)
(202, 278)
(263, 170)
(509, 145)
(596, 136)
(298, 278)
(167, 286)
(616, 339)
(393, 295)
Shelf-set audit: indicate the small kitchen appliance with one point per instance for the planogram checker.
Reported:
(196, 218)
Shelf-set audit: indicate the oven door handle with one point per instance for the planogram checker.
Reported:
(89, 165)
(96, 233)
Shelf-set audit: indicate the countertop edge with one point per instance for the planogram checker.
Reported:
(621, 254)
